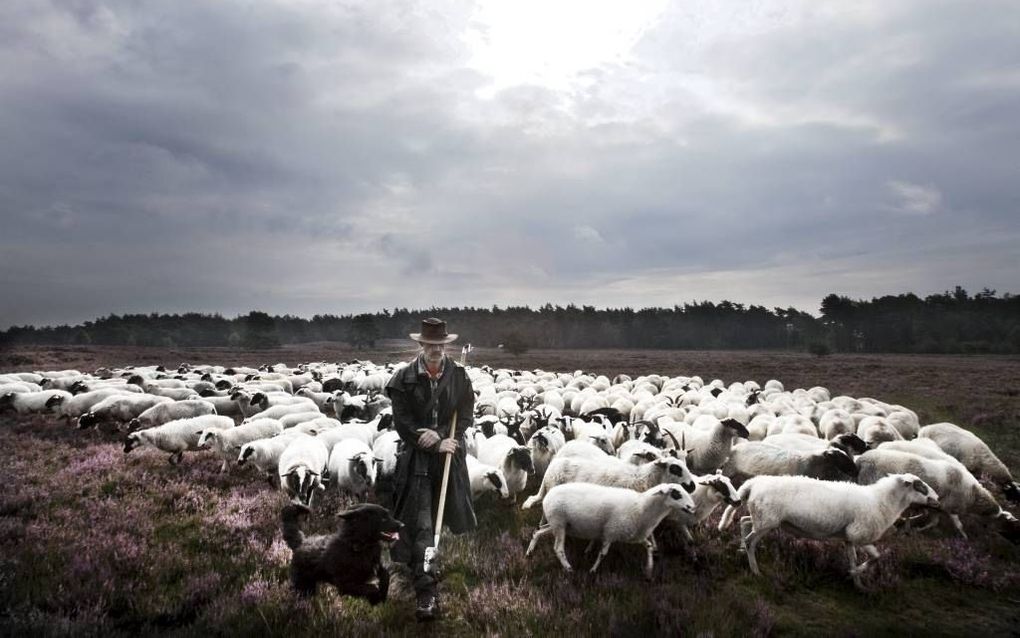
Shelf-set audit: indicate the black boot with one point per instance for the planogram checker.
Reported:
(427, 607)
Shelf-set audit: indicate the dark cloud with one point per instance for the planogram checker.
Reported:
(310, 157)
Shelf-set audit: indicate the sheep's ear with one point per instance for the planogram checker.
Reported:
(648, 456)
(920, 486)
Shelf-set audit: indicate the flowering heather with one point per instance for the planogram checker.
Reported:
(95, 542)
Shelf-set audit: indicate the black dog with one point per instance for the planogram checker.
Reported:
(348, 559)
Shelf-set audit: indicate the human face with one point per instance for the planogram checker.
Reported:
(433, 353)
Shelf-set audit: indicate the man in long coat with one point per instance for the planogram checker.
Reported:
(426, 393)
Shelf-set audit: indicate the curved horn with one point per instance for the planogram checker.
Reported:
(675, 442)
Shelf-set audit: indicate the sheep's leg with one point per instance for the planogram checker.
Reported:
(958, 524)
(687, 533)
(223, 467)
(727, 517)
(175, 458)
(752, 539)
(602, 554)
(539, 533)
(649, 561)
(746, 525)
(558, 547)
(591, 546)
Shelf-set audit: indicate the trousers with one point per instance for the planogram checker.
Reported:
(418, 535)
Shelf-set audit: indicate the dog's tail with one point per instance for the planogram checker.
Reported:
(292, 534)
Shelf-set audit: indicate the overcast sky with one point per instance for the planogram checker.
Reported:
(309, 156)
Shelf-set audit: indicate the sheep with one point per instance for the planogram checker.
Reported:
(486, 478)
(544, 444)
(608, 514)
(165, 412)
(319, 398)
(875, 429)
(593, 433)
(176, 437)
(386, 447)
(756, 458)
(278, 411)
(905, 422)
(975, 455)
(959, 492)
(834, 422)
(515, 460)
(352, 467)
(120, 409)
(637, 452)
(176, 394)
(612, 471)
(364, 432)
(792, 424)
(224, 405)
(264, 454)
(300, 469)
(708, 441)
(227, 442)
(33, 402)
(857, 514)
(711, 490)
(79, 404)
(291, 419)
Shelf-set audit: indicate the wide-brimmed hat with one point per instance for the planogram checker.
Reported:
(433, 331)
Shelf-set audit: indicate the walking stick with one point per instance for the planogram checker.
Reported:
(432, 553)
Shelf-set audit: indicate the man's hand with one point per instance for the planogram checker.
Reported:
(427, 439)
(448, 446)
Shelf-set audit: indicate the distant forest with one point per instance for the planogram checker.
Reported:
(951, 322)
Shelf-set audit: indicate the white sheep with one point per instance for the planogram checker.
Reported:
(959, 492)
(176, 437)
(711, 491)
(758, 458)
(228, 442)
(857, 514)
(544, 444)
(708, 440)
(120, 409)
(608, 514)
(167, 411)
(264, 454)
(505, 453)
(581, 450)
(80, 404)
(638, 452)
(386, 447)
(974, 453)
(876, 429)
(614, 472)
(486, 478)
(301, 466)
(33, 402)
(834, 422)
(352, 467)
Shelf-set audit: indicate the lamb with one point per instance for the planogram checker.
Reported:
(32, 402)
(849, 443)
(176, 437)
(857, 514)
(79, 404)
(364, 432)
(959, 492)
(515, 460)
(756, 458)
(120, 409)
(711, 491)
(609, 514)
(164, 412)
(485, 478)
(581, 450)
(227, 442)
(352, 467)
(544, 444)
(278, 411)
(614, 472)
(975, 455)
(386, 447)
(301, 466)
(224, 405)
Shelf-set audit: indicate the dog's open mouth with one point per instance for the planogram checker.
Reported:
(389, 537)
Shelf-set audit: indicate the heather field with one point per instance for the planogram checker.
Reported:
(93, 542)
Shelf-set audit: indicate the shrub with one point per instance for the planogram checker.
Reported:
(819, 348)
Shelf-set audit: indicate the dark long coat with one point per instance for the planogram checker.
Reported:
(410, 393)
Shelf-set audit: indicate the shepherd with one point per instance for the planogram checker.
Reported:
(428, 394)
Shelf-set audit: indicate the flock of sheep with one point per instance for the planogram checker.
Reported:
(612, 458)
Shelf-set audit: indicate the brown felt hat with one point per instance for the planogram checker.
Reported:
(433, 331)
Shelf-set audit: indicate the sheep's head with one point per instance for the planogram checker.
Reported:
(7, 400)
(1008, 526)
(54, 401)
(136, 379)
(224, 384)
(676, 496)
(78, 387)
(496, 479)
(363, 465)
(738, 428)
(850, 443)
(87, 420)
(260, 399)
(521, 457)
(675, 471)
(246, 452)
(918, 492)
(841, 461)
(132, 441)
(385, 422)
(134, 424)
(539, 441)
(724, 487)
(1012, 491)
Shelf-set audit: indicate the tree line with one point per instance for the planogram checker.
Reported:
(950, 322)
